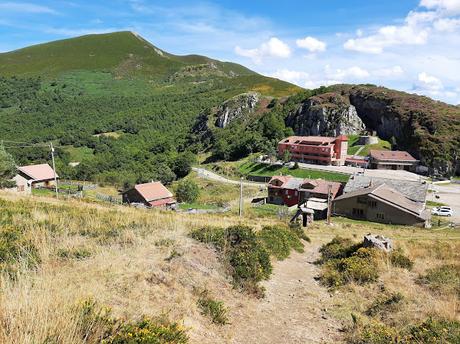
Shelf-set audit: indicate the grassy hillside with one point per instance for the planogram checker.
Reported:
(72, 272)
(72, 90)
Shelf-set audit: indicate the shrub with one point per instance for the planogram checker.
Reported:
(212, 308)
(373, 333)
(298, 230)
(248, 260)
(344, 262)
(398, 259)
(14, 248)
(443, 279)
(361, 267)
(385, 303)
(338, 248)
(279, 241)
(75, 253)
(187, 191)
(433, 331)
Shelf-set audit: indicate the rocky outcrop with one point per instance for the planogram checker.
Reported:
(236, 107)
(328, 114)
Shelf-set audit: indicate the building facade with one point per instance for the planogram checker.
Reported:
(34, 176)
(381, 204)
(315, 149)
(287, 190)
(392, 160)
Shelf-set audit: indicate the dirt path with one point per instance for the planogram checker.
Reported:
(206, 174)
(295, 309)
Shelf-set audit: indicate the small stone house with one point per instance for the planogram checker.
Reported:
(34, 176)
(152, 194)
(381, 204)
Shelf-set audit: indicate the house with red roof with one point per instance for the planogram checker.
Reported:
(152, 194)
(319, 150)
(392, 160)
(33, 176)
(287, 190)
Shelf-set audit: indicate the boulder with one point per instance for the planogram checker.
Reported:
(378, 241)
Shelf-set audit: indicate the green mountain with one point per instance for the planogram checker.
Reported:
(120, 106)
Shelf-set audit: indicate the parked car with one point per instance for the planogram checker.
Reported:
(442, 211)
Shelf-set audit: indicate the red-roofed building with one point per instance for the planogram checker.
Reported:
(287, 190)
(391, 160)
(33, 176)
(152, 194)
(315, 149)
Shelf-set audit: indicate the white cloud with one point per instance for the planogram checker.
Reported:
(354, 72)
(274, 47)
(387, 36)
(25, 7)
(389, 72)
(429, 82)
(447, 24)
(451, 7)
(311, 44)
(293, 76)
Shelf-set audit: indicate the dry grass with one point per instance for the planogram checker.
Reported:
(133, 269)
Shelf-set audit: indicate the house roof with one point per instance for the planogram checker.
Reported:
(391, 155)
(389, 196)
(38, 172)
(308, 140)
(413, 190)
(319, 186)
(153, 191)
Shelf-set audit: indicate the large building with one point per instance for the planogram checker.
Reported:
(152, 194)
(381, 204)
(392, 160)
(315, 149)
(287, 190)
(33, 176)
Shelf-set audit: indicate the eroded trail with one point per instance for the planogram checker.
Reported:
(294, 309)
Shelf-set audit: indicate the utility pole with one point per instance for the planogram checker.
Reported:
(241, 197)
(54, 170)
(329, 203)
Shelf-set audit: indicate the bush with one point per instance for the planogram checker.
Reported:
(398, 259)
(433, 331)
(15, 248)
(344, 262)
(279, 241)
(97, 325)
(248, 260)
(75, 253)
(212, 308)
(385, 303)
(187, 191)
(298, 230)
(373, 333)
(443, 279)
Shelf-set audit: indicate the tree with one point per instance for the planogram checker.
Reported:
(7, 169)
(183, 164)
(286, 156)
(187, 191)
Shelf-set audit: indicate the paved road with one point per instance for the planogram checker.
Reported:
(401, 175)
(450, 195)
(206, 174)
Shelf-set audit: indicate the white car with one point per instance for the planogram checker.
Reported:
(442, 211)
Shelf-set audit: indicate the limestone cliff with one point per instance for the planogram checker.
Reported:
(327, 114)
(236, 107)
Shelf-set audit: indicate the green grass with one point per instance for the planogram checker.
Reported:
(78, 154)
(186, 206)
(258, 169)
(435, 204)
(43, 192)
(382, 145)
(266, 210)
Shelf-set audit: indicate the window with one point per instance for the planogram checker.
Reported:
(21, 188)
(380, 216)
(373, 204)
(358, 212)
(362, 200)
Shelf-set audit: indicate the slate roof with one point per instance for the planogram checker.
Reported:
(391, 197)
(413, 190)
(38, 172)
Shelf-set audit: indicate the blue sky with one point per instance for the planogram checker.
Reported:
(411, 45)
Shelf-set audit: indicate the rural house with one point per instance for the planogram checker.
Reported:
(152, 194)
(412, 189)
(319, 150)
(381, 204)
(33, 176)
(287, 190)
(391, 160)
